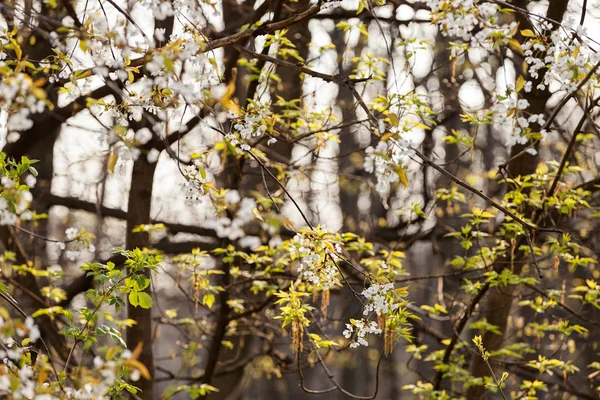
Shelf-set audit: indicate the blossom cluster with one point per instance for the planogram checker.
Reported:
(378, 300)
(384, 160)
(473, 21)
(253, 124)
(177, 71)
(23, 97)
(359, 330)
(386, 303)
(510, 111)
(23, 198)
(456, 17)
(195, 184)
(19, 93)
(556, 56)
(78, 241)
(567, 59)
(316, 259)
(15, 378)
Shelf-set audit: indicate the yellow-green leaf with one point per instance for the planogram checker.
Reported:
(144, 299)
(527, 33)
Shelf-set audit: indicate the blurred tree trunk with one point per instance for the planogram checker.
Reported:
(499, 300)
(289, 88)
(347, 165)
(230, 178)
(246, 176)
(138, 212)
(37, 143)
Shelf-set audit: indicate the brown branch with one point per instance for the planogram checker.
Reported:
(437, 381)
(78, 204)
(214, 349)
(264, 29)
(300, 68)
(333, 380)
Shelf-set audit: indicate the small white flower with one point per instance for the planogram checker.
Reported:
(251, 242)
(72, 233)
(13, 137)
(143, 136)
(34, 330)
(30, 180)
(68, 22)
(7, 182)
(159, 34)
(135, 375)
(19, 121)
(275, 241)
(135, 154)
(98, 362)
(522, 104)
(232, 196)
(523, 122)
(153, 156)
(218, 91)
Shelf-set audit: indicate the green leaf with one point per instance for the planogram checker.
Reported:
(133, 298)
(208, 300)
(144, 299)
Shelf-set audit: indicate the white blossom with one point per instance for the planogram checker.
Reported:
(232, 196)
(159, 34)
(13, 137)
(143, 136)
(71, 233)
(316, 261)
(378, 300)
(30, 180)
(153, 156)
(358, 330)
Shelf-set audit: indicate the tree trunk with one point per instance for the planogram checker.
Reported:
(499, 300)
(138, 212)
